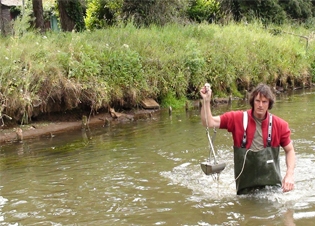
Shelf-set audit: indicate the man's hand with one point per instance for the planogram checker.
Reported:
(287, 183)
(206, 92)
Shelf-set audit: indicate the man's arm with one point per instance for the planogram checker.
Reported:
(288, 180)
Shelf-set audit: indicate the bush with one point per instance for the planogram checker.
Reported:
(121, 66)
(203, 10)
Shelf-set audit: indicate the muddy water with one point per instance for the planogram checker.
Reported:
(148, 173)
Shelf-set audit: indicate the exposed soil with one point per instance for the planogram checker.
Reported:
(53, 124)
(40, 128)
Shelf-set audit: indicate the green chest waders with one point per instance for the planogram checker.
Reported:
(256, 169)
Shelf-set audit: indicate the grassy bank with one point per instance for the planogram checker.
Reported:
(118, 67)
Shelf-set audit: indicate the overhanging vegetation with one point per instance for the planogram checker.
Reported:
(120, 66)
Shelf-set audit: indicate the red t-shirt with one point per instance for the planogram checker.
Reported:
(233, 122)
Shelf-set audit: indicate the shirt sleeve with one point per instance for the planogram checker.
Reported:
(229, 119)
(285, 134)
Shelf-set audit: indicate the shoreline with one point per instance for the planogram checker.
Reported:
(44, 128)
(49, 128)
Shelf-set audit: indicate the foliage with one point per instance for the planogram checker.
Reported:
(203, 10)
(75, 12)
(170, 100)
(97, 14)
(156, 12)
(22, 23)
(102, 13)
(268, 11)
(16, 10)
(124, 74)
(297, 9)
(119, 66)
(49, 9)
(195, 65)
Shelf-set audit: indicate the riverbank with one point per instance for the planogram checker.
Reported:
(62, 123)
(121, 66)
(40, 129)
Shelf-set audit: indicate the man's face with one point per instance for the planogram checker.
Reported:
(261, 104)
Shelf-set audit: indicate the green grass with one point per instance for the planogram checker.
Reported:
(120, 66)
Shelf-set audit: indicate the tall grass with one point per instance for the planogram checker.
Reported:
(120, 66)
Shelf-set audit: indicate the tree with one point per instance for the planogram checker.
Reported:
(39, 15)
(102, 13)
(268, 11)
(71, 15)
(1, 20)
(66, 23)
(297, 9)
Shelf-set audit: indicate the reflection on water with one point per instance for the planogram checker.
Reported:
(148, 173)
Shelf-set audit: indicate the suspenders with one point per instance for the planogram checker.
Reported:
(269, 131)
(245, 122)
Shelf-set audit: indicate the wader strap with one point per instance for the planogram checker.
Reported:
(245, 121)
(269, 131)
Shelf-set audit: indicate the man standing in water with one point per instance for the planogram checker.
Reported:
(257, 136)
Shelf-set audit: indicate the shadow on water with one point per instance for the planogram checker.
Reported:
(148, 173)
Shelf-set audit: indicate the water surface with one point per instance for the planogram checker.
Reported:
(148, 173)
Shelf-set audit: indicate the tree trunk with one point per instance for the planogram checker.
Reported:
(1, 21)
(39, 15)
(67, 24)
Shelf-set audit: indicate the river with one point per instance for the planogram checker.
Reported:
(148, 173)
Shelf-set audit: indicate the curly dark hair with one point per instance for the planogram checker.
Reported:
(264, 90)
